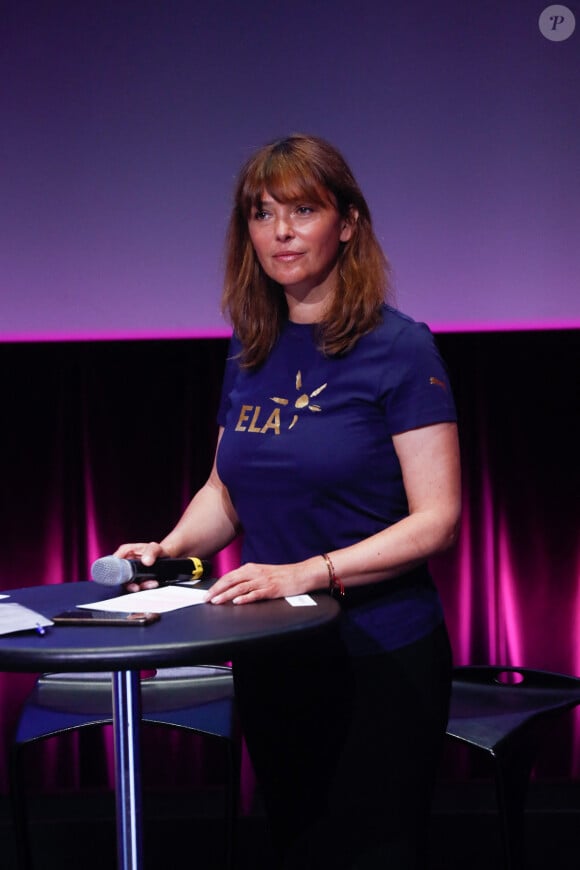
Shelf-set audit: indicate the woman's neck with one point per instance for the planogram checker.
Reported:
(310, 306)
(306, 311)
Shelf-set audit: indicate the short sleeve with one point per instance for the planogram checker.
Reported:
(417, 389)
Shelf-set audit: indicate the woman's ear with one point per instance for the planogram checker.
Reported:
(348, 224)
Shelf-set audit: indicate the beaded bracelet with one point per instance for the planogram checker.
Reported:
(334, 584)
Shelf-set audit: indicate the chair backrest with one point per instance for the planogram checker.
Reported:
(500, 675)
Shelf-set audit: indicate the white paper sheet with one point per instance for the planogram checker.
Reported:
(160, 600)
(14, 617)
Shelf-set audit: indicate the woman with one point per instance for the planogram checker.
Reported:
(338, 460)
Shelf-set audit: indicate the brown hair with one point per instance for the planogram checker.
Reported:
(288, 169)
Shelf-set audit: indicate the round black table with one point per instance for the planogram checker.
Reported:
(190, 635)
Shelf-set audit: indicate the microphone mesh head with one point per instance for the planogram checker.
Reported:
(111, 571)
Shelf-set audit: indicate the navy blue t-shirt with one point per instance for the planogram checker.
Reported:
(308, 458)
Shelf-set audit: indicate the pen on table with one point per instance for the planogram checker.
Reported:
(40, 629)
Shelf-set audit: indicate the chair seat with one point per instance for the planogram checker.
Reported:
(485, 714)
(506, 712)
(198, 699)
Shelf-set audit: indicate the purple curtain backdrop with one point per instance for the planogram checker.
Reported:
(105, 442)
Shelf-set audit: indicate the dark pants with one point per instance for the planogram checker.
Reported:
(346, 749)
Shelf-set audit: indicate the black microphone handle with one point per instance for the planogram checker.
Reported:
(167, 570)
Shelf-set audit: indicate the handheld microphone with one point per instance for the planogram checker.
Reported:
(111, 571)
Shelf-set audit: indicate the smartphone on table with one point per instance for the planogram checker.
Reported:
(104, 617)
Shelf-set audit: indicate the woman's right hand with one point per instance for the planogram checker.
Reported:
(145, 553)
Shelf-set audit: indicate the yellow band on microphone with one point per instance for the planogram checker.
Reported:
(196, 568)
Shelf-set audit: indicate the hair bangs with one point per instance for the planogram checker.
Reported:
(287, 178)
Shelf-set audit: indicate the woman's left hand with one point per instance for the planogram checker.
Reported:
(253, 582)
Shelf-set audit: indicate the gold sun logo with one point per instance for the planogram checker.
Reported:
(303, 400)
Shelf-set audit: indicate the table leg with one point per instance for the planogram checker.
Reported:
(126, 725)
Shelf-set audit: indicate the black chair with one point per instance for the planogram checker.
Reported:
(507, 712)
(198, 699)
